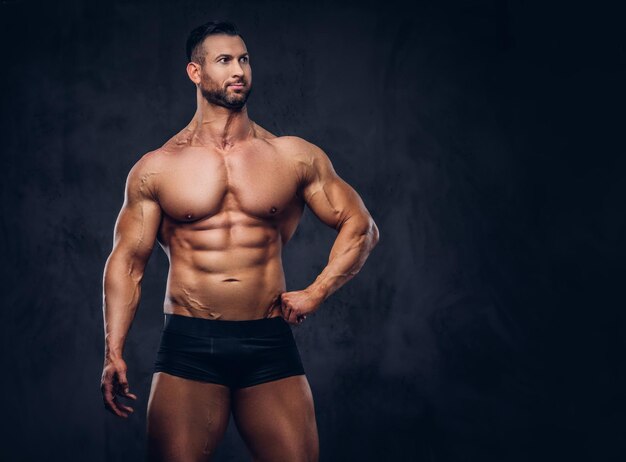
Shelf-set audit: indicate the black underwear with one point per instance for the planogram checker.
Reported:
(233, 353)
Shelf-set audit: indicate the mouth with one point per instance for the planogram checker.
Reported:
(236, 85)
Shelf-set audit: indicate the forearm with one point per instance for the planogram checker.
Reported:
(121, 294)
(354, 242)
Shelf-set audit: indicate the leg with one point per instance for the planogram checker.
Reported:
(277, 420)
(186, 419)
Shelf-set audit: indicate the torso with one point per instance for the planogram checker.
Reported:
(226, 216)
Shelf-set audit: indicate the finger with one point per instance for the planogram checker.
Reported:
(118, 408)
(124, 388)
(288, 317)
(108, 387)
(109, 395)
(123, 383)
(292, 318)
(286, 311)
(289, 313)
(126, 395)
(126, 408)
(124, 392)
(109, 400)
(110, 404)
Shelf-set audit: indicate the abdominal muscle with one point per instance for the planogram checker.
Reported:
(225, 273)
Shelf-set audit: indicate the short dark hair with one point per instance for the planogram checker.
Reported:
(197, 36)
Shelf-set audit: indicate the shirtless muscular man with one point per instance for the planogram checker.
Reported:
(222, 198)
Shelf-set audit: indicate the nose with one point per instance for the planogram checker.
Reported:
(237, 69)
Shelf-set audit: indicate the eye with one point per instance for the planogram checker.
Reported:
(222, 60)
(245, 59)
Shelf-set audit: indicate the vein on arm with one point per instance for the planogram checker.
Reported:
(339, 206)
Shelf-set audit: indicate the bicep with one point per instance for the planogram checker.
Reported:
(329, 197)
(138, 221)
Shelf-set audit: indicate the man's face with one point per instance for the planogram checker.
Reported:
(226, 75)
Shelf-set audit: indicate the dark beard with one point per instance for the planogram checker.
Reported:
(220, 98)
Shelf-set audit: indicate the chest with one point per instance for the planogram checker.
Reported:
(199, 182)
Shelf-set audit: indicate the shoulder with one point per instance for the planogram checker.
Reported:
(142, 177)
(294, 142)
(312, 164)
(300, 149)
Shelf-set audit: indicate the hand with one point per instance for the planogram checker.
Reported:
(114, 384)
(296, 305)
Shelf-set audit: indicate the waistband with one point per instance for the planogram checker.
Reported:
(214, 327)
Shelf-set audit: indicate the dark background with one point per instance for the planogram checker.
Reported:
(485, 138)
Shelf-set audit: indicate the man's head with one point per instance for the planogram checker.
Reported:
(218, 59)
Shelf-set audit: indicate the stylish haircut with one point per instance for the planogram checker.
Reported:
(197, 36)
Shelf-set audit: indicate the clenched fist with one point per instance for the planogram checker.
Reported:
(296, 305)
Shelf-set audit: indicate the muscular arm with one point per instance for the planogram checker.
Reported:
(134, 236)
(339, 206)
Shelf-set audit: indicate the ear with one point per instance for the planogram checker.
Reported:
(193, 71)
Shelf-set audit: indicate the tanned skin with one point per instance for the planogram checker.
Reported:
(222, 198)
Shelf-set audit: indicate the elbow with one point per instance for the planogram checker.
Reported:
(364, 228)
(374, 233)
(126, 264)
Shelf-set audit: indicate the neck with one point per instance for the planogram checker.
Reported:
(218, 126)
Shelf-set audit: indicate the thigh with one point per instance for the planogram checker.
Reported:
(277, 420)
(186, 418)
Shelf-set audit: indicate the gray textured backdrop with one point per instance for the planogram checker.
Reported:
(484, 137)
